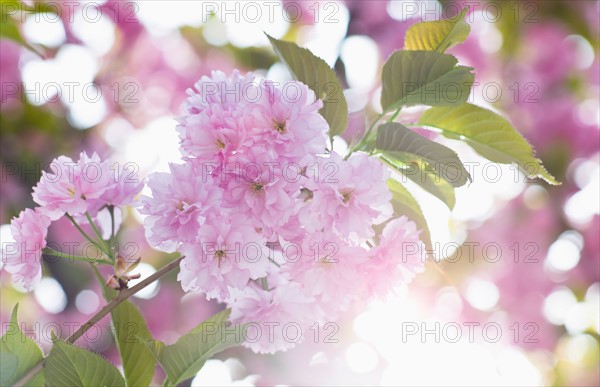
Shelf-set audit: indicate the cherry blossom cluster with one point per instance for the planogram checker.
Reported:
(270, 221)
(82, 190)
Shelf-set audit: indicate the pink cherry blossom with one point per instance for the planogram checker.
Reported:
(213, 123)
(291, 231)
(211, 134)
(227, 253)
(180, 203)
(258, 188)
(124, 184)
(399, 256)
(347, 195)
(330, 271)
(23, 258)
(230, 92)
(71, 187)
(226, 115)
(268, 219)
(288, 120)
(85, 186)
(276, 319)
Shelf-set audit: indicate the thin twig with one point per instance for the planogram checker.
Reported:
(366, 136)
(86, 236)
(111, 210)
(98, 235)
(72, 257)
(120, 297)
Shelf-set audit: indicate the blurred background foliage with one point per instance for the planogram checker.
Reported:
(536, 61)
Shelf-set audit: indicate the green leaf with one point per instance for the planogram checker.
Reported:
(405, 204)
(8, 366)
(401, 143)
(68, 365)
(138, 361)
(185, 358)
(437, 35)
(423, 174)
(18, 353)
(489, 134)
(10, 26)
(308, 68)
(424, 78)
(131, 334)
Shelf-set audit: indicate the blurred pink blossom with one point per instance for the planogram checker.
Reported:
(23, 257)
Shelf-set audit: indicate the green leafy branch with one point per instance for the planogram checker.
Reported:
(422, 74)
(121, 296)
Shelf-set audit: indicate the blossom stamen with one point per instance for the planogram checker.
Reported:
(346, 196)
(220, 256)
(279, 126)
(257, 187)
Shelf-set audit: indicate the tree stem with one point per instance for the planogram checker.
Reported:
(99, 235)
(365, 137)
(120, 297)
(393, 117)
(86, 236)
(72, 257)
(111, 210)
